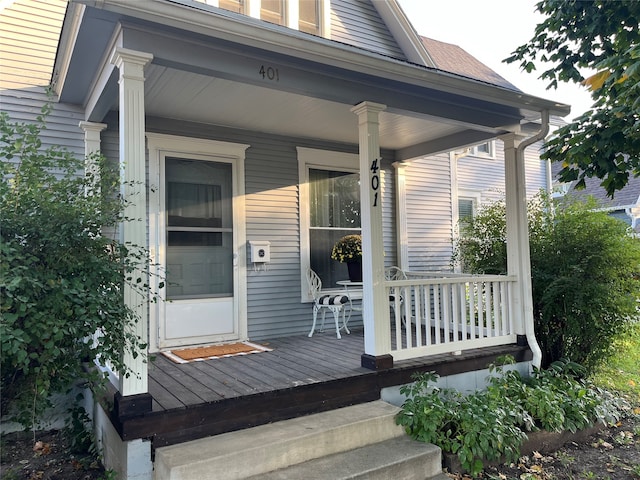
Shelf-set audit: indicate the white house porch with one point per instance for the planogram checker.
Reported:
(179, 65)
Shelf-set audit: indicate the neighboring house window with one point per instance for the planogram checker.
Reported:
(468, 201)
(560, 189)
(486, 150)
(466, 211)
(329, 209)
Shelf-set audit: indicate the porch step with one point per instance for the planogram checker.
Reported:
(276, 446)
(399, 458)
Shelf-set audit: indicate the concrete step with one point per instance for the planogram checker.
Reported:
(399, 458)
(254, 451)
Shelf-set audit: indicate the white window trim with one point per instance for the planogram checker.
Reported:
(322, 159)
(492, 150)
(292, 9)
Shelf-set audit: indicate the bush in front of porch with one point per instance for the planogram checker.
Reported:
(585, 269)
(61, 279)
(491, 425)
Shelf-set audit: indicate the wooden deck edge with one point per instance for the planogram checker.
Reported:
(181, 425)
(214, 418)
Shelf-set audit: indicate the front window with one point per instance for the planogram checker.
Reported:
(334, 211)
(329, 209)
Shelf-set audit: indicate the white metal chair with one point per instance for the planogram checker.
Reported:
(336, 303)
(395, 273)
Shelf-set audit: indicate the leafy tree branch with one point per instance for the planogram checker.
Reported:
(603, 37)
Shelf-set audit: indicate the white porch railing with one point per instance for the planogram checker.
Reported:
(447, 313)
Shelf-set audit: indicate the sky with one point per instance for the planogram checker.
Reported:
(490, 30)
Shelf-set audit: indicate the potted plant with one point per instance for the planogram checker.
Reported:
(349, 250)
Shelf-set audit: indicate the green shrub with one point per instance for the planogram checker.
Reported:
(491, 424)
(585, 270)
(477, 428)
(61, 280)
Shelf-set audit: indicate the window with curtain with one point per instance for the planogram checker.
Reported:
(334, 211)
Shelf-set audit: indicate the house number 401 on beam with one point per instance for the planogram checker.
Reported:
(375, 180)
(269, 73)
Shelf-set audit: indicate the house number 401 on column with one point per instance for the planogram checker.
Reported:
(375, 180)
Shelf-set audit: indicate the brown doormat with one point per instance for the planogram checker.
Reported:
(209, 352)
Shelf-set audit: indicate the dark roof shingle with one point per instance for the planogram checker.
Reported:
(453, 59)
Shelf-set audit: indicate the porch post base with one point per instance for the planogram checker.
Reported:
(131, 405)
(521, 340)
(373, 362)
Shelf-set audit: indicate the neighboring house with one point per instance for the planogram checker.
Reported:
(625, 204)
(281, 126)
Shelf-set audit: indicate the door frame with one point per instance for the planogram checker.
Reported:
(160, 146)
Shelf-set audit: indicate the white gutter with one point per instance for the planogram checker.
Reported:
(529, 326)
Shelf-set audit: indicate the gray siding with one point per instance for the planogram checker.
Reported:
(357, 23)
(29, 32)
(272, 213)
(486, 176)
(272, 205)
(61, 125)
(429, 216)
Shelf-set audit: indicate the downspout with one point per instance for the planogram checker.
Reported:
(529, 323)
(549, 178)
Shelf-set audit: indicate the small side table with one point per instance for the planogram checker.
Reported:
(354, 292)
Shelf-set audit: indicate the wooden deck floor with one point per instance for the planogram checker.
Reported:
(300, 376)
(293, 362)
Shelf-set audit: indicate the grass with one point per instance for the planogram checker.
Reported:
(621, 372)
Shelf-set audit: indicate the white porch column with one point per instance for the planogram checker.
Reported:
(132, 161)
(518, 255)
(402, 242)
(92, 136)
(91, 146)
(377, 334)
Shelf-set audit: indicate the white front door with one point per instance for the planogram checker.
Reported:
(199, 244)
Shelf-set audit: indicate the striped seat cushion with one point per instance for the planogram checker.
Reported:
(333, 300)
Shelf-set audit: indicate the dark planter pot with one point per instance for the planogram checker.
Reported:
(355, 271)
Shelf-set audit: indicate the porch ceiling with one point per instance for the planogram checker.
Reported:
(181, 95)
